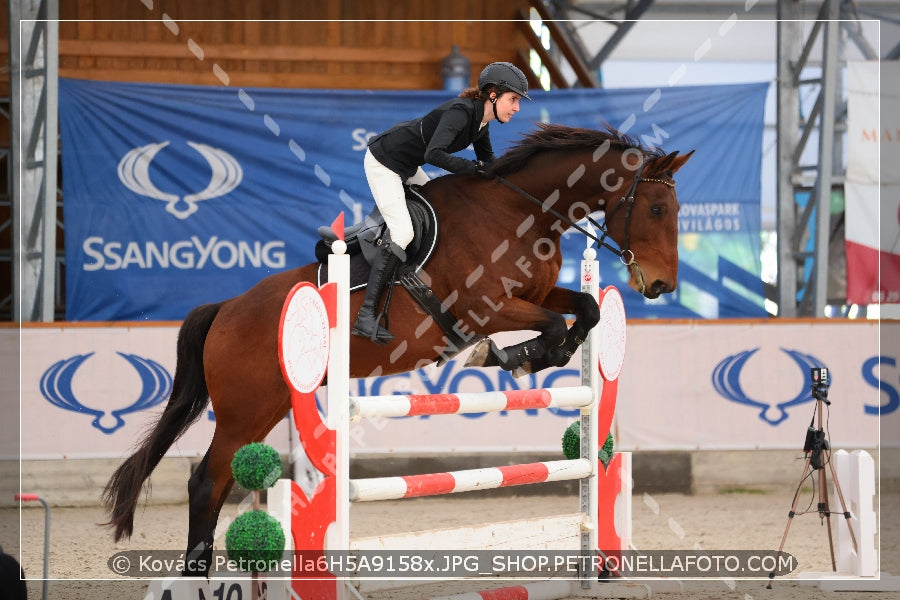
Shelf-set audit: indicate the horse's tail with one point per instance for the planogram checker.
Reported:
(186, 403)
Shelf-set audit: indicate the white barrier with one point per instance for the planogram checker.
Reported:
(855, 570)
(315, 320)
(856, 477)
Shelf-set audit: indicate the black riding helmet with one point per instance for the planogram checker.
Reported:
(506, 75)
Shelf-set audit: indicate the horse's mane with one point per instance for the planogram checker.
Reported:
(560, 137)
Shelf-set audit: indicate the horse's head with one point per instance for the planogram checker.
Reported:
(645, 225)
(575, 170)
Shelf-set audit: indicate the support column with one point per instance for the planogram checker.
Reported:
(788, 126)
(33, 57)
(794, 130)
(818, 287)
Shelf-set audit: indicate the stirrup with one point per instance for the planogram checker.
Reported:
(379, 335)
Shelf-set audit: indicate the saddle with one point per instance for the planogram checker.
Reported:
(363, 242)
(365, 238)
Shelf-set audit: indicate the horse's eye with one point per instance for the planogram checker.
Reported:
(656, 209)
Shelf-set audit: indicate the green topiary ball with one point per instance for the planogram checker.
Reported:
(571, 444)
(256, 466)
(606, 452)
(571, 441)
(255, 542)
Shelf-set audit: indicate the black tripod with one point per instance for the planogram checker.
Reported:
(818, 456)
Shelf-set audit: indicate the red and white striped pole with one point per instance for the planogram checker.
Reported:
(464, 403)
(433, 484)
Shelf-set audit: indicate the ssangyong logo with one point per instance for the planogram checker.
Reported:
(134, 173)
(726, 381)
(56, 387)
(194, 252)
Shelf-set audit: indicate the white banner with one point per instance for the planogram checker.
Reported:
(78, 388)
(691, 385)
(864, 135)
(872, 195)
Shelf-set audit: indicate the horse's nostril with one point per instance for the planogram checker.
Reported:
(660, 287)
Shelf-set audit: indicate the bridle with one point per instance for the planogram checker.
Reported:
(624, 253)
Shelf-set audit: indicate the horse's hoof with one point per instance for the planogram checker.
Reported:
(481, 353)
(522, 370)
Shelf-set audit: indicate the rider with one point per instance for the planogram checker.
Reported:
(397, 155)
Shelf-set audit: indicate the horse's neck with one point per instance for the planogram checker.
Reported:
(575, 183)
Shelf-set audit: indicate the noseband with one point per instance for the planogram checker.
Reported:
(625, 254)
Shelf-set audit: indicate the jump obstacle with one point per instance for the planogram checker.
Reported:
(314, 339)
(314, 334)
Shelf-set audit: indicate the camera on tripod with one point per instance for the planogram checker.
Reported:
(819, 376)
(815, 440)
(817, 449)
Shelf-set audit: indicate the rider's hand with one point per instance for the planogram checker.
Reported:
(481, 169)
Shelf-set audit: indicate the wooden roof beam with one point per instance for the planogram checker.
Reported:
(585, 76)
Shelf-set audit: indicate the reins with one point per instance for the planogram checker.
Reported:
(600, 241)
(625, 254)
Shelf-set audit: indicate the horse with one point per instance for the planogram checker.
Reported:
(495, 266)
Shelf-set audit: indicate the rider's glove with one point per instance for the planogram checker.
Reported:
(481, 169)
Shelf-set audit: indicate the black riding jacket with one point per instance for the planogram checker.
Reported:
(432, 139)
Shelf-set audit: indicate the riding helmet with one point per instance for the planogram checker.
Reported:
(505, 75)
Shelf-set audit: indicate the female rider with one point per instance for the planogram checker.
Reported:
(397, 155)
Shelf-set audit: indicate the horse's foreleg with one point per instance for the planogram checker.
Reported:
(587, 315)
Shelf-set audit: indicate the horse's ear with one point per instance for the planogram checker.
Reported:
(661, 164)
(678, 161)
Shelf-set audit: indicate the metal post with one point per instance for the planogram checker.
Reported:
(589, 431)
(338, 419)
(788, 125)
(34, 56)
(46, 571)
(822, 199)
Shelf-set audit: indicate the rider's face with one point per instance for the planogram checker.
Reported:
(507, 105)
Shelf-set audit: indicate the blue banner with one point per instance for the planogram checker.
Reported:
(175, 196)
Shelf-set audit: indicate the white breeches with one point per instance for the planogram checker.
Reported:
(387, 189)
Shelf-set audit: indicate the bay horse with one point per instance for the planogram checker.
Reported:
(496, 267)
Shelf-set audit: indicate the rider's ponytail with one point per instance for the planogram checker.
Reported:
(473, 93)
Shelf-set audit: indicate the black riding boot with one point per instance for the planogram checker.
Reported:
(367, 325)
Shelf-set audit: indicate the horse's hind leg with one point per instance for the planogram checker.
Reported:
(207, 489)
(211, 482)
(489, 354)
(554, 347)
(520, 315)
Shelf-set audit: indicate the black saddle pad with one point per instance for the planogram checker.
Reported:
(419, 251)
